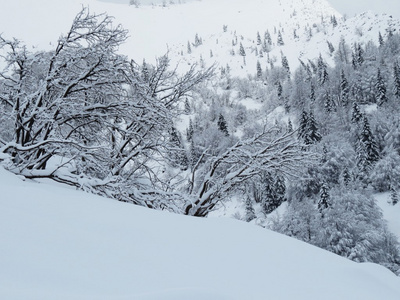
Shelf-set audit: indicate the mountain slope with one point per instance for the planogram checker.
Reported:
(154, 30)
(58, 243)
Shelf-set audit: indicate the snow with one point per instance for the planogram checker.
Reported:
(390, 212)
(58, 243)
(155, 30)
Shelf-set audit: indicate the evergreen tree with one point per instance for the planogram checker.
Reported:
(189, 131)
(187, 107)
(189, 48)
(313, 135)
(328, 102)
(357, 56)
(289, 126)
(258, 38)
(267, 38)
(176, 151)
(322, 70)
(380, 39)
(285, 64)
(280, 39)
(344, 89)
(394, 197)
(280, 190)
(197, 40)
(241, 50)
(355, 113)
(250, 212)
(380, 89)
(222, 125)
(303, 124)
(259, 70)
(367, 149)
(323, 202)
(145, 72)
(396, 77)
(346, 177)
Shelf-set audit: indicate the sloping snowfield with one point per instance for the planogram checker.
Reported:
(58, 243)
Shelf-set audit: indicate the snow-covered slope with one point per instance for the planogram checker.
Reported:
(58, 243)
(155, 29)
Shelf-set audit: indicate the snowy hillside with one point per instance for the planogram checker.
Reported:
(222, 25)
(58, 243)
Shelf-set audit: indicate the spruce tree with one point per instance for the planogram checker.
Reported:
(396, 77)
(241, 50)
(322, 70)
(313, 136)
(302, 131)
(367, 149)
(356, 115)
(189, 48)
(259, 70)
(258, 38)
(289, 126)
(250, 212)
(346, 177)
(189, 131)
(222, 125)
(145, 72)
(280, 39)
(344, 89)
(380, 39)
(285, 64)
(267, 38)
(328, 102)
(380, 89)
(323, 202)
(394, 197)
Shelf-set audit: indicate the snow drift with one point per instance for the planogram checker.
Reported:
(58, 243)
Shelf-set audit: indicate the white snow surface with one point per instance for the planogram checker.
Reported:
(391, 213)
(155, 30)
(59, 243)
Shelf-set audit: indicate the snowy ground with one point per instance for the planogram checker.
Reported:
(391, 213)
(58, 243)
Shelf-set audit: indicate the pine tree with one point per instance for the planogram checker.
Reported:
(187, 107)
(259, 70)
(145, 71)
(289, 126)
(313, 136)
(177, 153)
(279, 90)
(355, 113)
(222, 125)
(380, 88)
(367, 149)
(346, 177)
(285, 64)
(344, 89)
(394, 197)
(189, 48)
(280, 190)
(258, 38)
(197, 40)
(267, 38)
(280, 39)
(241, 50)
(328, 102)
(323, 202)
(189, 131)
(322, 71)
(396, 77)
(250, 212)
(302, 131)
(312, 93)
(380, 39)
